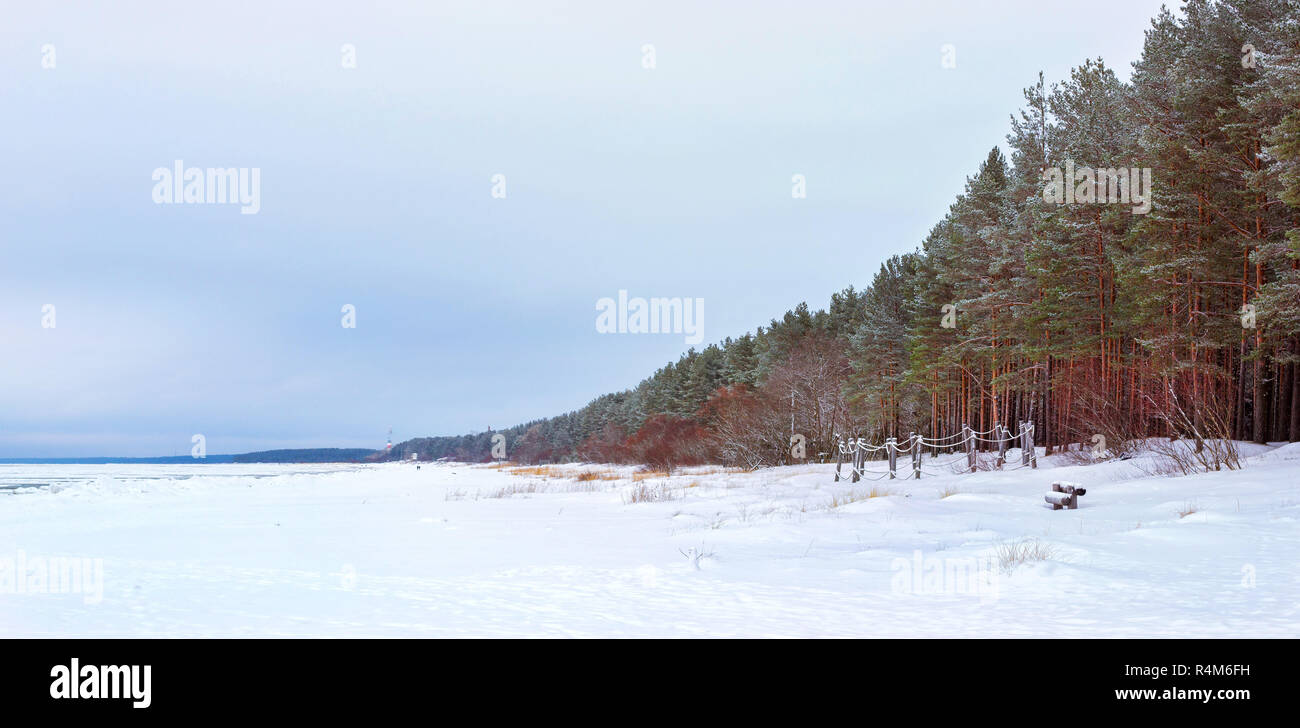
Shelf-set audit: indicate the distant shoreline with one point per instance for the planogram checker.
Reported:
(301, 455)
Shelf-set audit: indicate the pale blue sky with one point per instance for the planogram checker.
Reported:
(375, 191)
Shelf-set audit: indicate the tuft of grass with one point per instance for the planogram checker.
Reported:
(539, 471)
(515, 489)
(587, 475)
(714, 470)
(641, 475)
(948, 491)
(1189, 507)
(540, 486)
(855, 495)
(644, 493)
(1013, 554)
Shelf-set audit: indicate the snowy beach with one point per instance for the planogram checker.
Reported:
(592, 550)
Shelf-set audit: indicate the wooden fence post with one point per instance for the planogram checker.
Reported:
(839, 459)
(1029, 437)
(916, 456)
(1003, 435)
(969, 438)
(892, 446)
(857, 462)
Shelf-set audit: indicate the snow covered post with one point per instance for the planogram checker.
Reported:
(916, 456)
(1003, 434)
(968, 437)
(1029, 440)
(1024, 444)
(892, 446)
(857, 461)
(839, 459)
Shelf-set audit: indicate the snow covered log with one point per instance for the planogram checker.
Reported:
(1064, 495)
(1059, 499)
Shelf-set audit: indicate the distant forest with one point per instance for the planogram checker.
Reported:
(1085, 319)
(306, 455)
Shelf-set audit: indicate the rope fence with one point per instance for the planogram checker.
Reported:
(875, 462)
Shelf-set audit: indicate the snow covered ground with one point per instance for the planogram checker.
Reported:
(473, 550)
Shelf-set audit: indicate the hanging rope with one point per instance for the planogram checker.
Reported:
(962, 445)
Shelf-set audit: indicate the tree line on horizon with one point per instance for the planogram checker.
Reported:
(1084, 319)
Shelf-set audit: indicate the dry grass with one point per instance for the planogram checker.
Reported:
(855, 496)
(538, 471)
(1189, 507)
(644, 493)
(587, 475)
(641, 475)
(949, 491)
(1011, 555)
(538, 486)
(516, 489)
(714, 470)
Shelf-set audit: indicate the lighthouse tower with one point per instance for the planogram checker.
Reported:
(389, 446)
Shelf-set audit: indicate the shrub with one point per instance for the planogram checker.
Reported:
(666, 442)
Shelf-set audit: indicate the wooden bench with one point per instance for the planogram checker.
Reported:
(1064, 495)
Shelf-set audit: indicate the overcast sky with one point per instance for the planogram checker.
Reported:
(375, 191)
